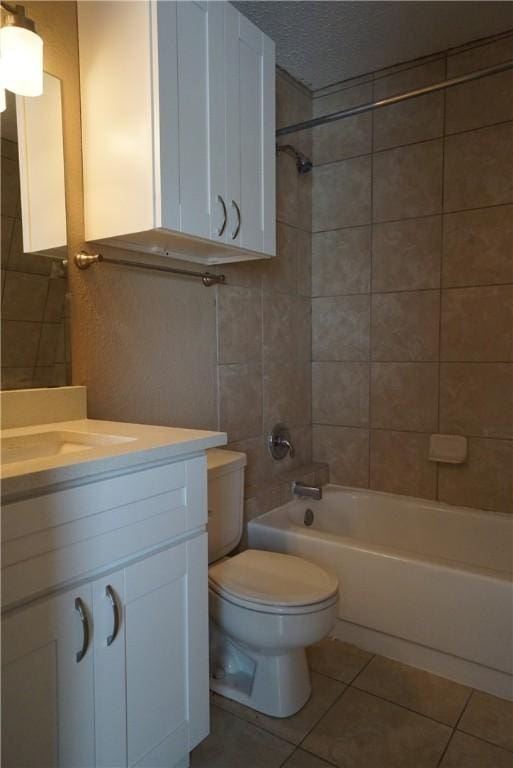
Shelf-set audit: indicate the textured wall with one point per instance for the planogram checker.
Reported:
(412, 273)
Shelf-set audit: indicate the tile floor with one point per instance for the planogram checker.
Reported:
(365, 712)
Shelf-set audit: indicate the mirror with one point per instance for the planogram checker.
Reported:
(35, 315)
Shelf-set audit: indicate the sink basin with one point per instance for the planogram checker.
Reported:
(39, 445)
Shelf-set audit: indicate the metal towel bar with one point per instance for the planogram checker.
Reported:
(85, 260)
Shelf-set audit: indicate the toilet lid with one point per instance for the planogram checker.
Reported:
(271, 578)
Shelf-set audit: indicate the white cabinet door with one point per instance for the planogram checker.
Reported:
(193, 110)
(109, 671)
(157, 618)
(257, 138)
(47, 689)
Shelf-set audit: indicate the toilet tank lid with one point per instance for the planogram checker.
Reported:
(220, 462)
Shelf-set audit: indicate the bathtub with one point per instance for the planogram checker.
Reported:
(421, 582)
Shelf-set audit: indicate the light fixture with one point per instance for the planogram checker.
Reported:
(21, 52)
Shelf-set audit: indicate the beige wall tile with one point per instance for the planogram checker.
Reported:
(286, 328)
(346, 138)
(340, 328)
(407, 182)
(405, 325)
(342, 194)
(479, 103)
(24, 296)
(478, 168)
(478, 247)
(480, 56)
(240, 400)
(10, 187)
(7, 228)
(346, 451)
(406, 254)
(239, 325)
(281, 273)
(484, 481)
(341, 261)
(54, 309)
(411, 121)
(477, 324)
(399, 464)
(287, 393)
(404, 396)
(340, 394)
(293, 102)
(477, 399)
(20, 341)
(48, 343)
(17, 378)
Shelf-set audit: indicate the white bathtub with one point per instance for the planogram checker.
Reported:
(425, 583)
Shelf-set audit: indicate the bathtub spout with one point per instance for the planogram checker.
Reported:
(312, 491)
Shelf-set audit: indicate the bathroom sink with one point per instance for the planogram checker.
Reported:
(39, 445)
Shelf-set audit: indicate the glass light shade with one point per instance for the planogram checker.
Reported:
(22, 61)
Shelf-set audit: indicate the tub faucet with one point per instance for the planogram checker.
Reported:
(300, 489)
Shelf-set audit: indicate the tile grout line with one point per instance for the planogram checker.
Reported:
(454, 728)
(442, 230)
(505, 204)
(369, 373)
(439, 137)
(384, 292)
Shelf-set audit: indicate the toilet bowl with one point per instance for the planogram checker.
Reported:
(265, 607)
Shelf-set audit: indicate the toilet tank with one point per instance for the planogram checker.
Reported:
(225, 501)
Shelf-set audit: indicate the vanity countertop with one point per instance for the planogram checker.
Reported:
(133, 444)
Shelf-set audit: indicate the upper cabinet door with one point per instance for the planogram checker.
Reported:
(193, 111)
(257, 138)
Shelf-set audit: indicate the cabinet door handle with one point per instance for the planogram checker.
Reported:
(221, 228)
(79, 606)
(115, 610)
(237, 228)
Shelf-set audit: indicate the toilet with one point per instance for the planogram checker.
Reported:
(265, 607)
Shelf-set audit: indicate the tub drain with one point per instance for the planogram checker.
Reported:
(309, 516)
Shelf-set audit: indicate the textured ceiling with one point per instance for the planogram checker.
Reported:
(323, 42)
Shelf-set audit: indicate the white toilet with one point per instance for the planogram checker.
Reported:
(265, 607)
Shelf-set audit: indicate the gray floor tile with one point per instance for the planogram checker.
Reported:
(490, 718)
(324, 692)
(467, 752)
(362, 731)
(337, 659)
(427, 694)
(234, 743)
(301, 759)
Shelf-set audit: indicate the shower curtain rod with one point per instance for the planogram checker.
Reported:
(331, 118)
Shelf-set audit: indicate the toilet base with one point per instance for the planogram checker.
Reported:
(277, 685)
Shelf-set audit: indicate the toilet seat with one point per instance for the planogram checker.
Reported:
(271, 582)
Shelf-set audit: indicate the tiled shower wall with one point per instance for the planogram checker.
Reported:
(264, 331)
(412, 281)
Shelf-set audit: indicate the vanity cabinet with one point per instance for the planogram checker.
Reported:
(112, 670)
(178, 129)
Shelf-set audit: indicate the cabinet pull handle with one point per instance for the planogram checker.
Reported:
(115, 610)
(79, 606)
(237, 228)
(225, 216)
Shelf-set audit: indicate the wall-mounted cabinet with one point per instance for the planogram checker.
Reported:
(178, 128)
